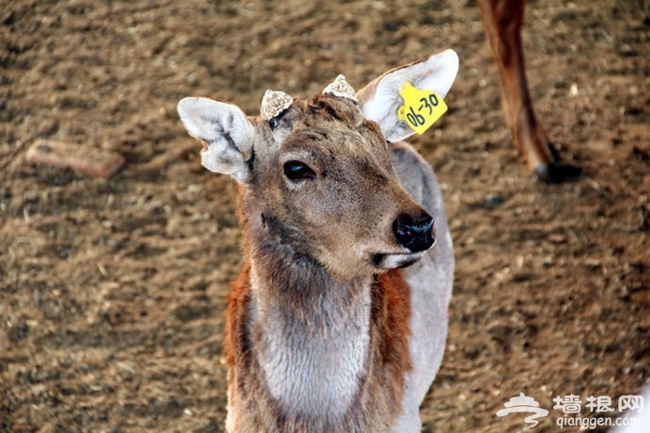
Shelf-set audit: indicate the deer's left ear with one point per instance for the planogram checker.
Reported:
(380, 99)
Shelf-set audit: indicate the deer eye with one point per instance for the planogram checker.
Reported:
(296, 170)
(274, 122)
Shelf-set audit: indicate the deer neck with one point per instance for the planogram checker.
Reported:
(312, 333)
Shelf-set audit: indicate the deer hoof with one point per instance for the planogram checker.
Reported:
(556, 172)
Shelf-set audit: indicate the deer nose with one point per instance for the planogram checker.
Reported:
(414, 232)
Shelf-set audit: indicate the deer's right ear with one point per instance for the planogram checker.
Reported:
(226, 131)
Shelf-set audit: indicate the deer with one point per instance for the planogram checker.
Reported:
(337, 321)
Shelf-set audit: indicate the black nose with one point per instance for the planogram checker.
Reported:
(414, 232)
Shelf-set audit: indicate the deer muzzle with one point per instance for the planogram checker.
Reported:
(414, 232)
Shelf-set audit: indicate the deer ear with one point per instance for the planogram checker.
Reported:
(380, 99)
(225, 130)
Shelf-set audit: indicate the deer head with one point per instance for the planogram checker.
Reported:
(316, 174)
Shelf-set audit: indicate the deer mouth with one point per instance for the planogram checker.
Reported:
(395, 260)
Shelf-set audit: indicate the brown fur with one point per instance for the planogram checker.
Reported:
(235, 343)
(380, 393)
(391, 315)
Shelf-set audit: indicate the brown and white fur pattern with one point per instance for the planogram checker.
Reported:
(338, 319)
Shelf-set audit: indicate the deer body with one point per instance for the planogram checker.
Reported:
(325, 332)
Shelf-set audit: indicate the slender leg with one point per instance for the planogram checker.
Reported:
(502, 20)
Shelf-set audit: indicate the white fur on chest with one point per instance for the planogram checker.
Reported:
(315, 370)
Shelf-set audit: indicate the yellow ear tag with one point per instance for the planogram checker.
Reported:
(421, 108)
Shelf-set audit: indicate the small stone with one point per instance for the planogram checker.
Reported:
(493, 200)
(86, 160)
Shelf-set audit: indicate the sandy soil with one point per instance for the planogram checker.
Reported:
(112, 292)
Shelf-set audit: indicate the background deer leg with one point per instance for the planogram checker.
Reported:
(502, 20)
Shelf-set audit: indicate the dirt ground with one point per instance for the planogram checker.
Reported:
(112, 292)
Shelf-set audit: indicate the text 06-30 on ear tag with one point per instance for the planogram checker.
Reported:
(421, 109)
